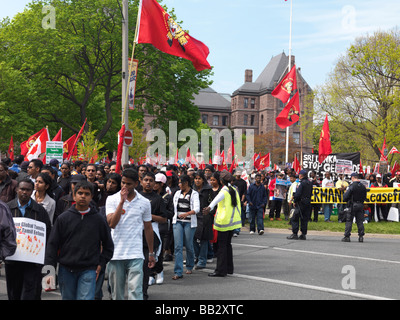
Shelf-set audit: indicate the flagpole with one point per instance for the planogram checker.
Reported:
(290, 67)
(126, 70)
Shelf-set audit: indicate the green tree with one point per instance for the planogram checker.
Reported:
(361, 95)
(59, 77)
(91, 149)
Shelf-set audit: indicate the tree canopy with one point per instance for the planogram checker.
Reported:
(59, 77)
(361, 96)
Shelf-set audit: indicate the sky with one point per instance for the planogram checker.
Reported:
(246, 34)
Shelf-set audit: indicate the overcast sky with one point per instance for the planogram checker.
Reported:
(245, 34)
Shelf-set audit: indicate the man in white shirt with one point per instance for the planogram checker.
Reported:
(128, 214)
(327, 207)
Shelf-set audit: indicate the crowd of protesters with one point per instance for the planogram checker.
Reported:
(90, 212)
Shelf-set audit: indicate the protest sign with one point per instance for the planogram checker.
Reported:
(310, 162)
(31, 241)
(374, 195)
(281, 189)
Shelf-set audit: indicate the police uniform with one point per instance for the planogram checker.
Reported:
(302, 200)
(355, 196)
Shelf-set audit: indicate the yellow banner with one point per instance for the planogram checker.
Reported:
(374, 195)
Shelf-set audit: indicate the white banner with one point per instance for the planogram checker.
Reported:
(31, 241)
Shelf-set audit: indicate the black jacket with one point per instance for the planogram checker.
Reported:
(355, 193)
(8, 234)
(302, 196)
(80, 242)
(204, 229)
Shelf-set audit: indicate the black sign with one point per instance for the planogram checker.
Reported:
(311, 163)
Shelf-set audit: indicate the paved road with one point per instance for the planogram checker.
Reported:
(270, 267)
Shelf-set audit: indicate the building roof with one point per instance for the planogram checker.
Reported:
(273, 72)
(210, 99)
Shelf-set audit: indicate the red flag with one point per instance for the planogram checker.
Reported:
(58, 136)
(231, 157)
(223, 165)
(11, 149)
(262, 162)
(394, 150)
(38, 147)
(159, 29)
(296, 164)
(176, 156)
(202, 165)
(325, 148)
(68, 146)
(396, 167)
(121, 135)
(188, 158)
(26, 145)
(290, 114)
(383, 157)
(74, 148)
(286, 86)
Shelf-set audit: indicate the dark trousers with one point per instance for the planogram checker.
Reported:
(224, 253)
(357, 212)
(315, 208)
(300, 218)
(275, 210)
(24, 280)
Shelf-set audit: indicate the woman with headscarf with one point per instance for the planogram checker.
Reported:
(227, 219)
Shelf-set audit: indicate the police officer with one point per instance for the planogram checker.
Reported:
(302, 207)
(355, 197)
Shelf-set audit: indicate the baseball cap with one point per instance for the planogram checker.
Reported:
(161, 178)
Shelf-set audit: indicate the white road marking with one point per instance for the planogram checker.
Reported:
(305, 286)
(317, 253)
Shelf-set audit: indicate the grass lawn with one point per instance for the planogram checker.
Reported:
(383, 227)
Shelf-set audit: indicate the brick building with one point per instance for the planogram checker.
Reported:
(252, 106)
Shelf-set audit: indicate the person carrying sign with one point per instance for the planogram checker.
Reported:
(355, 196)
(24, 279)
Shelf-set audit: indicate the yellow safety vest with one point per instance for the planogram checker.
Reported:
(228, 217)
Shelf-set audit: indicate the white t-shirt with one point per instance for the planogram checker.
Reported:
(327, 183)
(128, 234)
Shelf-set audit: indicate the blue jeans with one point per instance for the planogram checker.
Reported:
(121, 270)
(183, 235)
(327, 208)
(256, 215)
(77, 285)
(201, 251)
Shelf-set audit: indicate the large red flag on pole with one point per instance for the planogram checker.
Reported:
(285, 88)
(290, 114)
(159, 29)
(325, 148)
